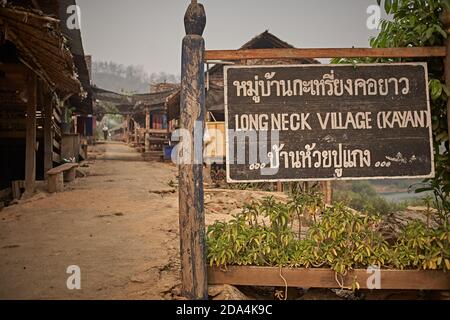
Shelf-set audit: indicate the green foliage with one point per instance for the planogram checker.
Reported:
(420, 247)
(414, 23)
(361, 196)
(69, 111)
(251, 186)
(417, 23)
(262, 235)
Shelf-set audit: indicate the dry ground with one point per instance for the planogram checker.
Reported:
(111, 224)
(119, 224)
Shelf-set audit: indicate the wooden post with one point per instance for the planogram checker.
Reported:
(192, 215)
(30, 152)
(147, 128)
(75, 124)
(48, 132)
(127, 129)
(327, 190)
(136, 141)
(147, 120)
(280, 186)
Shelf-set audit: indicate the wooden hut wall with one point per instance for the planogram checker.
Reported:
(15, 92)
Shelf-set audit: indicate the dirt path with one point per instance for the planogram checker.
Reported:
(111, 224)
(119, 224)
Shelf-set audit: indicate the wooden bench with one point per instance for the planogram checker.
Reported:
(58, 175)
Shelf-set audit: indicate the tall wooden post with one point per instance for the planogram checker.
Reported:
(136, 140)
(48, 132)
(192, 215)
(30, 151)
(127, 129)
(147, 133)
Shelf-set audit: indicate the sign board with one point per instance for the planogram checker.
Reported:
(327, 122)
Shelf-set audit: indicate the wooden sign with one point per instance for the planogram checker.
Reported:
(327, 122)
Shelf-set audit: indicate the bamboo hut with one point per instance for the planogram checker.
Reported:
(215, 142)
(42, 75)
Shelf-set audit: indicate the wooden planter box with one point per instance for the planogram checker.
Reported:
(325, 278)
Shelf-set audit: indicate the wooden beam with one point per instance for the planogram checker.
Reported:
(48, 133)
(325, 53)
(57, 108)
(147, 129)
(13, 134)
(127, 130)
(56, 116)
(326, 278)
(26, 15)
(158, 131)
(56, 157)
(136, 136)
(192, 110)
(41, 72)
(56, 144)
(147, 120)
(30, 154)
(13, 122)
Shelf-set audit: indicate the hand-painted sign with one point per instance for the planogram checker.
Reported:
(326, 122)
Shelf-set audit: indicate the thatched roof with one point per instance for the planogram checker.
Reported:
(215, 95)
(153, 101)
(42, 47)
(111, 96)
(119, 103)
(265, 40)
(38, 30)
(214, 101)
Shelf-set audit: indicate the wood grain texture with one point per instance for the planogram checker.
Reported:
(192, 114)
(49, 142)
(325, 278)
(30, 153)
(312, 126)
(325, 53)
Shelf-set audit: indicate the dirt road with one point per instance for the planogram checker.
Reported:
(119, 225)
(115, 224)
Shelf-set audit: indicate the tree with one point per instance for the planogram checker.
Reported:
(418, 23)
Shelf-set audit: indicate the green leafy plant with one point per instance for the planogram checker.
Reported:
(421, 247)
(418, 23)
(342, 239)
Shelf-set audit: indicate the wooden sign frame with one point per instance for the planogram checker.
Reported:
(431, 174)
(192, 217)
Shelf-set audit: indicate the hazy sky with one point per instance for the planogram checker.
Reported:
(149, 32)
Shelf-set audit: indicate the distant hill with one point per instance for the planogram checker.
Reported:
(130, 79)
